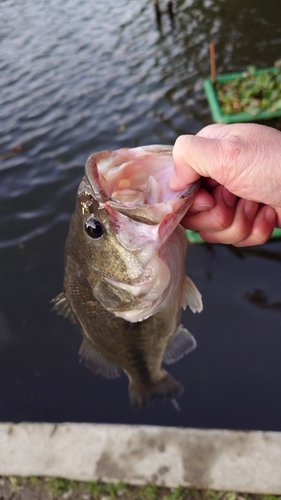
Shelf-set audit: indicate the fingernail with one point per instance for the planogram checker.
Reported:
(251, 209)
(201, 207)
(270, 215)
(229, 198)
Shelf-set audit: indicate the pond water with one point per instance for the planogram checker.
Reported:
(78, 77)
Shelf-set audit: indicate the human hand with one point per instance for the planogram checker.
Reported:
(239, 201)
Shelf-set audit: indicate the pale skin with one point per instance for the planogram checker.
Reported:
(239, 201)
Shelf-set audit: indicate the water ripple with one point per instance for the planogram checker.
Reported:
(81, 77)
(78, 77)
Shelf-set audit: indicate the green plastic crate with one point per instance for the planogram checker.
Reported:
(194, 237)
(219, 116)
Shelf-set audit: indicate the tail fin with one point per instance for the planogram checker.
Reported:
(166, 388)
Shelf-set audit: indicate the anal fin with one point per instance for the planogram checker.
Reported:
(96, 362)
(180, 345)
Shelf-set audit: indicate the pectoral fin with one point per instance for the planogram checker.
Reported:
(191, 296)
(179, 346)
(96, 362)
(62, 306)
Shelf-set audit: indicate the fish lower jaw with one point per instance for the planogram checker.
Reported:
(150, 292)
(147, 306)
(134, 315)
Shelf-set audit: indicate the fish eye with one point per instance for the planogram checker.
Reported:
(94, 228)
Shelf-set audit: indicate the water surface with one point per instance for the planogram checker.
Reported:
(78, 77)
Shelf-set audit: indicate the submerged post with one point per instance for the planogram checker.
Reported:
(213, 63)
(157, 14)
(170, 11)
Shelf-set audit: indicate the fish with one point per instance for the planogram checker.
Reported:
(124, 276)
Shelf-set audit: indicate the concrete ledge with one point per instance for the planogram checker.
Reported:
(167, 456)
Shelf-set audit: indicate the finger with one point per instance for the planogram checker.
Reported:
(183, 172)
(251, 225)
(196, 156)
(263, 226)
(203, 201)
(240, 228)
(216, 219)
(278, 220)
(209, 184)
(213, 130)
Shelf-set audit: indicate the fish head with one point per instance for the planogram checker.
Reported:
(125, 217)
(131, 185)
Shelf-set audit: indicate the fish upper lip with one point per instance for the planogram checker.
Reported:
(94, 180)
(194, 186)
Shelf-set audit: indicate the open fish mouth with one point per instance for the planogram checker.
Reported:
(135, 183)
(131, 177)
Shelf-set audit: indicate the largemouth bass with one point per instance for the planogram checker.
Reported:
(124, 281)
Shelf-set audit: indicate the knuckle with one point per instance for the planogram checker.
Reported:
(257, 238)
(222, 219)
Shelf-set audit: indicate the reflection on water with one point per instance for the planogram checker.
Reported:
(260, 252)
(159, 13)
(259, 298)
(78, 77)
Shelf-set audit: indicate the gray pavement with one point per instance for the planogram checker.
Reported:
(165, 456)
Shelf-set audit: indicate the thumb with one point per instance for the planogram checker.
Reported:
(194, 156)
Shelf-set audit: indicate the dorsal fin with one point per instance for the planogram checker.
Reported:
(191, 296)
(180, 345)
(96, 362)
(62, 306)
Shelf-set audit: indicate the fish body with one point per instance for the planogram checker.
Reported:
(124, 281)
